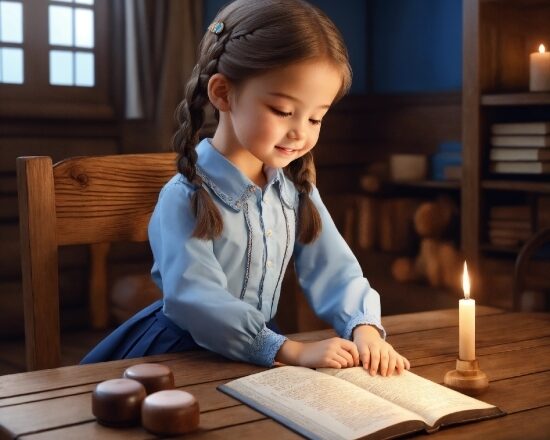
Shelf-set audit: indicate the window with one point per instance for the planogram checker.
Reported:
(71, 41)
(55, 58)
(11, 42)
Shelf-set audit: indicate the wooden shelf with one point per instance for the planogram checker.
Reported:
(494, 249)
(511, 99)
(516, 185)
(391, 188)
(435, 184)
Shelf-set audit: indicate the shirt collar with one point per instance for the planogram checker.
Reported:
(229, 183)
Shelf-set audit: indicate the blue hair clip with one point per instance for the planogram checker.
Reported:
(216, 27)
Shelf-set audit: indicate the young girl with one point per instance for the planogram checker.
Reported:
(244, 202)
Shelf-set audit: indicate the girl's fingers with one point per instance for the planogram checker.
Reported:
(392, 363)
(351, 348)
(407, 363)
(355, 355)
(331, 363)
(365, 359)
(374, 361)
(347, 356)
(384, 361)
(342, 361)
(399, 364)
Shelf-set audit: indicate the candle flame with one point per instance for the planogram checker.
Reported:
(466, 282)
(542, 49)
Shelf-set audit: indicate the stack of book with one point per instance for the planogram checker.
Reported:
(509, 225)
(520, 148)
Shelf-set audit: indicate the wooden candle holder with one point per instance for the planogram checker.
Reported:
(467, 378)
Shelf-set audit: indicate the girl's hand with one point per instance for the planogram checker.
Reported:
(328, 353)
(375, 353)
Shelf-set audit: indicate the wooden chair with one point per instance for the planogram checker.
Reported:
(83, 200)
(525, 254)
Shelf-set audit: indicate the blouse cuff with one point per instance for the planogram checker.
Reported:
(363, 318)
(265, 346)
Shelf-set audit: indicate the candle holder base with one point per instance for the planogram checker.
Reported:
(467, 378)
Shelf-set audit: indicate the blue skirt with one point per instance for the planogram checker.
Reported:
(146, 333)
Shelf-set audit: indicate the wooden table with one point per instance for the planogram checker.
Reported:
(513, 349)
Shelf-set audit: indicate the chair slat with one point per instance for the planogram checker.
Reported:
(106, 199)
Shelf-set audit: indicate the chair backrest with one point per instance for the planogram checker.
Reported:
(82, 200)
(525, 254)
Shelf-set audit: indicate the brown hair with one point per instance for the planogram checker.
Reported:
(258, 36)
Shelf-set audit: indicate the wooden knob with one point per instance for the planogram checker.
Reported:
(170, 412)
(117, 402)
(154, 377)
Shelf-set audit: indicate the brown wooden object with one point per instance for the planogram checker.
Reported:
(117, 402)
(154, 377)
(85, 200)
(467, 378)
(498, 37)
(170, 412)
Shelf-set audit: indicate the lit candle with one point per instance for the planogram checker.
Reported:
(466, 322)
(539, 70)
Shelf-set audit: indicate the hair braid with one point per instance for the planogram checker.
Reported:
(190, 117)
(256, 36)
(302, 172)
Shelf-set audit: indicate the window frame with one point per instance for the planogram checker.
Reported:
(36, 97)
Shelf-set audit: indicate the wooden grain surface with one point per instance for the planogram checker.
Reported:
(39, 260)
(512, 348)
(99, 199)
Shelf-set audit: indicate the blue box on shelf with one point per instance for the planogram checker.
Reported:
(449, 154)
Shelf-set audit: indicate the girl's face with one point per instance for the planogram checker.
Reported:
(276, 117)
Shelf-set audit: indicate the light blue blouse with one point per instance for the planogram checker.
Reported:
(223, 291)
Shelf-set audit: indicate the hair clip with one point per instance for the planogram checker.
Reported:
(216, 27)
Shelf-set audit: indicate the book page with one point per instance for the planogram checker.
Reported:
(317, 405)
(421, 396)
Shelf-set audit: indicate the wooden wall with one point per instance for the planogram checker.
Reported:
(363, 129)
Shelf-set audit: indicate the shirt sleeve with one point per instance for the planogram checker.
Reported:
(333, 281)
(195, 286)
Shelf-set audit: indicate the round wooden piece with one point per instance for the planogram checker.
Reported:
(117, 402)
(170, 412)
(467, 378)
(154, 377)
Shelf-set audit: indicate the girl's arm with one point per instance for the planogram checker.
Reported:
(333, 281)
(195, 287)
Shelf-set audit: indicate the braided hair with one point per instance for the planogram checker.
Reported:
(257, 36)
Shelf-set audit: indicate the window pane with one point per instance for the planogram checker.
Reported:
(84, 27)
(64, 1)
(61, 25)
(85, 69)
(12, 65)
(11, 22)
(61, 68)
(85, 2)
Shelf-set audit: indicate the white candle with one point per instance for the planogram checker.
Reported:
(539, 70)
(466, 322)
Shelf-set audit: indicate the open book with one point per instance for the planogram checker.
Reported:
(349, 403)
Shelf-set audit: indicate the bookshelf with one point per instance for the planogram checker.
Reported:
(498, 36)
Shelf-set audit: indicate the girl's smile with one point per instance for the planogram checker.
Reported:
(288, 151)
